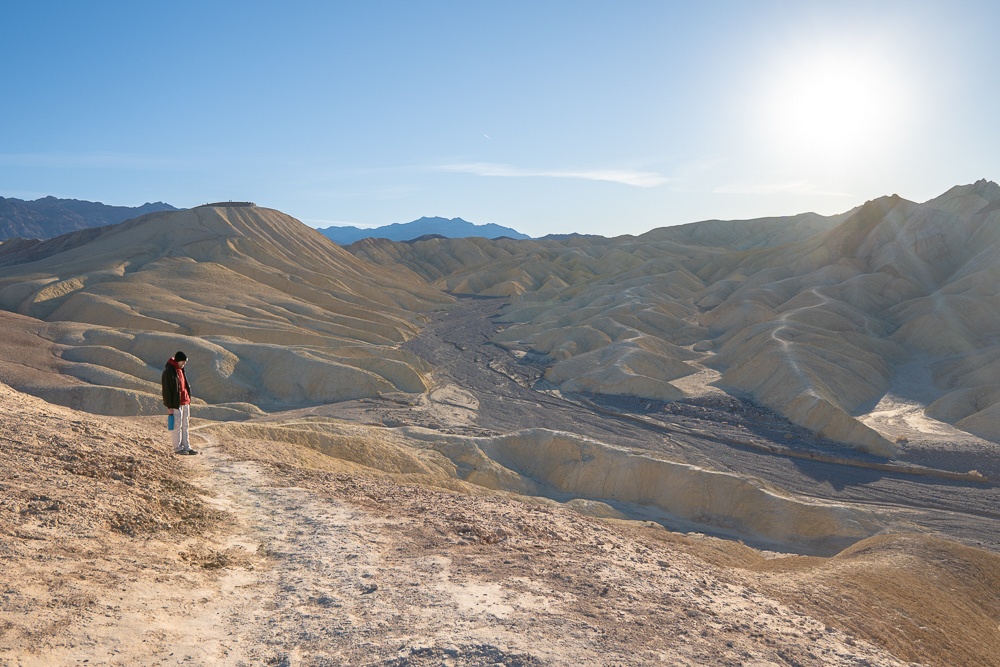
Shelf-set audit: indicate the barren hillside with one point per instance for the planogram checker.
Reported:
(321, 542)
(817, 318)
(275, 313)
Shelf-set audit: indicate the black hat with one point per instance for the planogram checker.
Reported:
(180, 356)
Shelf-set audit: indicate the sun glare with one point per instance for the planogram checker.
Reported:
(831, 105)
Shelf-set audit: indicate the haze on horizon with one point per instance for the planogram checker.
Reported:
(548, 119)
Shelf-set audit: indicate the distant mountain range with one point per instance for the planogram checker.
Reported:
(454, 228)
(49, 217)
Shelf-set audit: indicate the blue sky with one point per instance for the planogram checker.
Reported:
(598, 117)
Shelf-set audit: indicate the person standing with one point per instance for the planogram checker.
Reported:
(177, 398)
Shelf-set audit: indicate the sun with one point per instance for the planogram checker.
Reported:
(831, 105)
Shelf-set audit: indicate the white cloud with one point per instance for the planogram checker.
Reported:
(639, 179)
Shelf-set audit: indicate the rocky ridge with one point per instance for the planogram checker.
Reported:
(49, 217)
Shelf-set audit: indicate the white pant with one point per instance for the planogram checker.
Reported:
(182, 416)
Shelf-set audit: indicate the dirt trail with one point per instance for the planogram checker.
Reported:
(294, 578)
(302, 577)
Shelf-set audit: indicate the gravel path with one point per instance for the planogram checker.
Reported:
(320, 570)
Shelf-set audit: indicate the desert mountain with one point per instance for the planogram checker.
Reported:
(407, 231)
(901, 298)
(48, 217)
(521, 452)
(274, 312)
(815, 317)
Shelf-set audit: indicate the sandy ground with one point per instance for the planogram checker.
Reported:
(248, 555)
(900, 416)
(305, 568)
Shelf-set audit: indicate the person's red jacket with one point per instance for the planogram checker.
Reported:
(176, 389)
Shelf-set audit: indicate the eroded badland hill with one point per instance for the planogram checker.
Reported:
(768, 442)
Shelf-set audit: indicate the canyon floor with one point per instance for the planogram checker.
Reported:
(116, 552)
(486, 389)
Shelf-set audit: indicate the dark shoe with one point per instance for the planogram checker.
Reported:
(187, 452)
